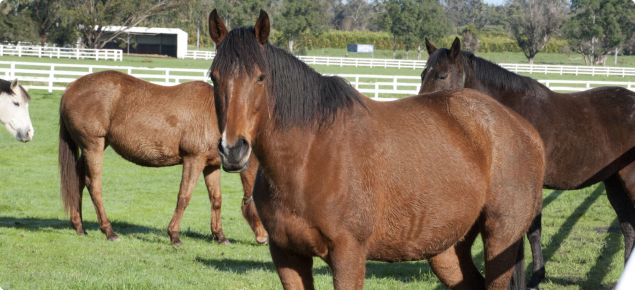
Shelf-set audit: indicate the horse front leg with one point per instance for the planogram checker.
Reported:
(248, 206)
(347, 259)
(295, 271)
(192, 168)
(212, 180)
(534, 237)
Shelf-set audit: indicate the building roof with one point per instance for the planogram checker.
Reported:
(146, 30)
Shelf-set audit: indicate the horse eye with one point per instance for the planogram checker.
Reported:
(443, 77)
(16, 104)
(261, 78)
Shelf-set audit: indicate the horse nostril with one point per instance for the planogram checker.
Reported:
(244, 142)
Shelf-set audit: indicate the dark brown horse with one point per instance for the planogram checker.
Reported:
(149, 125)
(589, 136)
(349, 179)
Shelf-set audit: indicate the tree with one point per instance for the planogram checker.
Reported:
(16, 23)
(47, 13)
(599, 28)
(412, 20)
(91, 17)
(470, 42)
(354, 15)
(534, 22)
(300, 18)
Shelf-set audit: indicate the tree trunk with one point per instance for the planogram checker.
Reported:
(407, 52)
(394, 46)
(531, 59)
(198, 34)
(291, 45)
(419, 52)
(585, 60)
(615, 61)
(43, 39)
(601, 60)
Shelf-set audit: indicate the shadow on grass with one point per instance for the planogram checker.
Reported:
(564, 231)
(602, 266)
(550, 198)
(121, 228)
(404, 272)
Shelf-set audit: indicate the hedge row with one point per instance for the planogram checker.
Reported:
(383, 41)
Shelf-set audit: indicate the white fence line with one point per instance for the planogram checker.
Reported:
(420, 64)
(49, 76)
(61, 52)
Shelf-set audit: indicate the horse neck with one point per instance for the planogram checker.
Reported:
(508, 97)
(5, 109)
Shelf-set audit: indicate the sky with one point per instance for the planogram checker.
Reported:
(495, 2)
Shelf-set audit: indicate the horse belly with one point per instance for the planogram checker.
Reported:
(151, 152)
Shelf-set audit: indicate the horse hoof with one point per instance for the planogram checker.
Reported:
(263, 242)
(176, 243)
(114, 239)
(224, 242)
(82, 233)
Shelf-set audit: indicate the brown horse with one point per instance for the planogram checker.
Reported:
(349, 179)
(589, 136)
(149, 125)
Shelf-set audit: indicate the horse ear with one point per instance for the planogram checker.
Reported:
(26, 89)
(430, 47)
(14, 85)
(217, 29)
(262, 27)
(456, 48)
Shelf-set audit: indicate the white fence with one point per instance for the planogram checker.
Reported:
(56, 76)
(420, 64)
(61, 52)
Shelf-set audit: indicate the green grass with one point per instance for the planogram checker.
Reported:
(39, 250)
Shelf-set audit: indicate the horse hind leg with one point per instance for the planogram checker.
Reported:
(620, 190)
(455, 267)
(192, 168)
(212, 180)
(94, 155)
(76, 210)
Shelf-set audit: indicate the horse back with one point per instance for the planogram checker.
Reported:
(147, 124)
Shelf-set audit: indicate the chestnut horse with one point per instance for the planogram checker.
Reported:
(149, 125)
(589, 136)
(349, 179)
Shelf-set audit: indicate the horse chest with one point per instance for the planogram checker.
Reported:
(291, 231)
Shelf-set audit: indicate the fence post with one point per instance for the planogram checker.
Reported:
(576, 70)
(1, 50)
(90, 69)
(376, 91)
(356, 63)
(592, 70)
(77, 52)
(531, 68)
(167, 76)
(130, 71)
(623, 70)
(58, 52)
(394, 83)
(51, 76)
(19, 51)
(12, 73)
(96, 54)
(341, 62)
(357, 82)
(560, 70)
(39, 51)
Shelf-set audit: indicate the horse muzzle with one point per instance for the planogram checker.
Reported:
(24, 135)
(234, 158)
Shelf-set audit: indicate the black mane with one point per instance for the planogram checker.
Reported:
(489, 73)
(5, 87)
(301, 96)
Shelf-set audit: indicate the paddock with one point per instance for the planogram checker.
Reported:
(582, 242)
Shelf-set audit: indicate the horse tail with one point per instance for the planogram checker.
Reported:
(67, 161)
(518, 276)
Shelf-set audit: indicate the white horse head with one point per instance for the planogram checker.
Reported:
(14, 110)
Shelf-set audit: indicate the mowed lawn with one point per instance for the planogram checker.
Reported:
(38, 249)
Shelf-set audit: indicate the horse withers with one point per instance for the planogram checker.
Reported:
(14, 110)
(149, 125)
(349, 179)
(589, 136)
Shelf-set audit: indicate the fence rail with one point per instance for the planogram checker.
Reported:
(49, 76)
(420, 64)
(61, 52)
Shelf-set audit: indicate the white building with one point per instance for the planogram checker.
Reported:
(151, 40)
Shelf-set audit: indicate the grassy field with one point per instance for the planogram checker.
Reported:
(38, 249)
